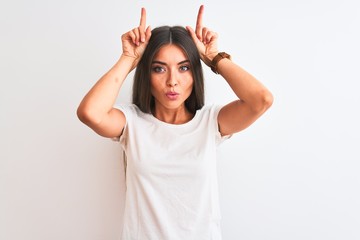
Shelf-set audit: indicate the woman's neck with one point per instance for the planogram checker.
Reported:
(173, 116)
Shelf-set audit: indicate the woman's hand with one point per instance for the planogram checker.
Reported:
(135, 41)
(205, 39)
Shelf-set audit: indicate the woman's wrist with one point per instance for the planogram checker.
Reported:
(129, 61)
(215, 61)
(209, 57)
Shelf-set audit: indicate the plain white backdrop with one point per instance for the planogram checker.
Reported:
(294, 174)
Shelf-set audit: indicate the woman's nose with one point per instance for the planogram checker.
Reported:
(172, 83)
(172, 80)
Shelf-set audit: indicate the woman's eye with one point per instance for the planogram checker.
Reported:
(158, 69)
(184, 68)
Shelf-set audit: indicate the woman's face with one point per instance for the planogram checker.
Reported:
(171, 78)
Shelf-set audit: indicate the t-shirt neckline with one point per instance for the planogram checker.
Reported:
(155, 120)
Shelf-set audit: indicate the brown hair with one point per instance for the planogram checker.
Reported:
(161, 36)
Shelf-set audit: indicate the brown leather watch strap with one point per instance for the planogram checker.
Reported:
(216, 60)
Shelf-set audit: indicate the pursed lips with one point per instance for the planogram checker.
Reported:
(172, 95)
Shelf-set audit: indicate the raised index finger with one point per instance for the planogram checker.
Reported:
(143, 18)
(199, 20)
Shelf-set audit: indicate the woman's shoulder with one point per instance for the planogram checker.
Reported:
(127, 107)
(210, 109)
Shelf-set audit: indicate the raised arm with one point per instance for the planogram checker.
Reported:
(253, 97)
(96, 109)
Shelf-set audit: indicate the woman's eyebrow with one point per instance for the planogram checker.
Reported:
(185, 61)
(158, 62)
(163, 63)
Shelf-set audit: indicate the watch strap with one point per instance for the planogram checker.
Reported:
(216, 60)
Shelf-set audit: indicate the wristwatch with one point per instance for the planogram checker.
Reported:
(216, 60)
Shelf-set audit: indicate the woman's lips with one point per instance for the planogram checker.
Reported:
(172, 95)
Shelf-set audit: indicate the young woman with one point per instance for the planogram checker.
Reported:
(168, 135)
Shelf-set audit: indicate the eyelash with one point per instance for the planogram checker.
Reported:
(159, 69)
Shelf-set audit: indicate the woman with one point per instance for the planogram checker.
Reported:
(168, 136)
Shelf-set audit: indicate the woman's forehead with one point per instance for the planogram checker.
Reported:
(170, 53)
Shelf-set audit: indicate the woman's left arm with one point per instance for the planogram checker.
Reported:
(254, 97)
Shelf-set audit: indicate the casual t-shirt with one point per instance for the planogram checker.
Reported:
(171, 177)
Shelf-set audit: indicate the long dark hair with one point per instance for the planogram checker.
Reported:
(161, 36)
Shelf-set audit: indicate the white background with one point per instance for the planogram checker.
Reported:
(294, 174)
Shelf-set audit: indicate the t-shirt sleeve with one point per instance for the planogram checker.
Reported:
(215, 112)
(127, 110)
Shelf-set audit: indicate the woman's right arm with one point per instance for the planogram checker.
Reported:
(96, 109)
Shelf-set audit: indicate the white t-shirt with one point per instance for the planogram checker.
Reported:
(171, 177)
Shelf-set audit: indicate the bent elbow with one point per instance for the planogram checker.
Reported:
(86, 116)
(82, 114)
(266, 100)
